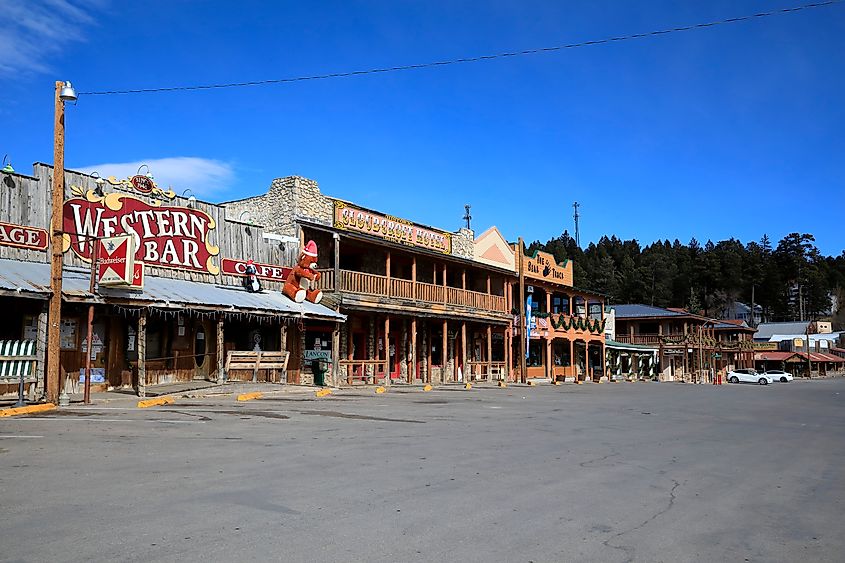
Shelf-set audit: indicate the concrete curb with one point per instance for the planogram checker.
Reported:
(158, 401)
(250, 396)
(29, 409)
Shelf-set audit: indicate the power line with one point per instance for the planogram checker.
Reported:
(462, 60)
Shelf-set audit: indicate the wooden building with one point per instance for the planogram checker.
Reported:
(691, 347)
(182, 309)
(424, 305)
(565, 324)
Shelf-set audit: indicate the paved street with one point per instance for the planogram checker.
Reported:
(626, 472)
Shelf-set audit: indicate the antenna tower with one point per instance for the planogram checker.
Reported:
(577, 229)
(467, 216)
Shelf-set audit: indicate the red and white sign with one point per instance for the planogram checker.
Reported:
(137, 276)
(115, 260)
(270, 272)
(170, 237)
(22, 236)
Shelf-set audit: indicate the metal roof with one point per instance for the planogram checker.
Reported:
(635, 310)
(767, 330)
(34, 277)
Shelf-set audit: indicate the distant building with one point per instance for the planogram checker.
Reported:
(742, 312)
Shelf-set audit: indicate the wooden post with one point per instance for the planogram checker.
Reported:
(464, 278)
(428, 333)
(387, 367)
(414, 282)
(412, 371)
(335, 378)
(336, 238)
(41, 350)
(587, 360)
(444, 353)
(387, 275)
(350, 344)
(573, 364)
(142, 354)
(523, 376)
(489, 351)
(54, 379)
(463, 364)
(444, 298)
(221, 351)
(550, 368)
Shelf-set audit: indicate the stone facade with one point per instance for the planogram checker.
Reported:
(463, 244)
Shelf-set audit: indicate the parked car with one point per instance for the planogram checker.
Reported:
(748, 375)
(779, 375)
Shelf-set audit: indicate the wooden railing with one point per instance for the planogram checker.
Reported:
(363, 371)
(485, 371)
(639, 338)
(372, 284)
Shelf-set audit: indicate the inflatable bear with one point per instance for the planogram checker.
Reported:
(299, 285)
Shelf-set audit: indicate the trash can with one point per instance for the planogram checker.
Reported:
(319, 369)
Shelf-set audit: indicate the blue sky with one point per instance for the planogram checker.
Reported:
(732, 131)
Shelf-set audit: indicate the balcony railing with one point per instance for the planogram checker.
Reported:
(372, 284)
(638, 338)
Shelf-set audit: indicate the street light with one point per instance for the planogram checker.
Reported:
(64, 93)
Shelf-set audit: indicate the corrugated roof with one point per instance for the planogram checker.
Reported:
(635, 310)
(767, 330)
(772, 356)
(160, 292)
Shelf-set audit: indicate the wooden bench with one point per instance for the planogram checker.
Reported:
(17, 364)
(255, 361)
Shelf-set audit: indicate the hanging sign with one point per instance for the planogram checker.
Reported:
(142, 184)
(116, 260)
(22, 236)
(272, 272)
(350, 218)
(169, 237)
(137, 276)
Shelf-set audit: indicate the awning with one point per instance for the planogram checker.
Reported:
(166, 293)
(622, 347)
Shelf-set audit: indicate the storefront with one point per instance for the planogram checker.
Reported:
(169, 302)
(564, 325)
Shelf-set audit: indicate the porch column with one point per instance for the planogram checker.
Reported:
(414, 284)
(463, 364)
(283, 347)
(221, 360)
(587, 361)
(142, 354)
(387, 366)
(604, 360)
(336, 238)
(489, 350)
(508, 354)
(444, 354)
(350, 344)
(387, 275)
(573, 364)
(41, 349)
(335, 379)
(444, 294)
(412, 371)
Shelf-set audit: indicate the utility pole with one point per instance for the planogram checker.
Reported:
(53, 371)
(524, 330)
(467, 216)
(577, 229)
(753, 323)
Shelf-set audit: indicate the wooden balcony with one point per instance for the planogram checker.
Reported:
(650, 339)
(382, 286)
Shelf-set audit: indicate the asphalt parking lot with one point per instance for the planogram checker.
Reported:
(626, 472)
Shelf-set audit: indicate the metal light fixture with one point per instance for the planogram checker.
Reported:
(67, 93)
(7, 165)
(192, 200)
(149, 173)
(100, 183)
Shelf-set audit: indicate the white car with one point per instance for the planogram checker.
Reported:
(779, 375)
(748, 375)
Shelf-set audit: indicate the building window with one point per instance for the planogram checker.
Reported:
(535, 353)
(580, 306)
(436, 345)
(595, 311)
(560, 351)
(560, 304)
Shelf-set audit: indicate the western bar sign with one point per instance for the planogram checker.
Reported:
(350, 218)
(22, 236)
(169, 237)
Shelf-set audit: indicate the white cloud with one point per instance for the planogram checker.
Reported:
(34, 30)
(206, 178)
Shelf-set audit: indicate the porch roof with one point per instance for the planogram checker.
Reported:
(167, 293)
